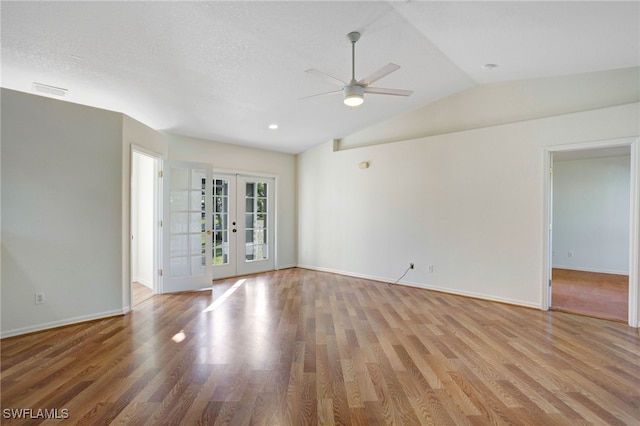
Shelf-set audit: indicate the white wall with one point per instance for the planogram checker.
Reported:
(142, 219)
(470, 203)
(507, 102)
(235, 158)
(591, 214)
(61, 212)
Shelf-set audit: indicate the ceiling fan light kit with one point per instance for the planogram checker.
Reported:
(353, 95)
(354, 90)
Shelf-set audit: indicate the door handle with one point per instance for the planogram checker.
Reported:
(208, 232)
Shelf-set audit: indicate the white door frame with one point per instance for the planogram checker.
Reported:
(157, 235)
(634, 219)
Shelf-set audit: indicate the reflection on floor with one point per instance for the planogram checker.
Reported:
(140, 292)
(588, 293)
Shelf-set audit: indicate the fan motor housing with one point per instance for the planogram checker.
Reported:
(353, 90)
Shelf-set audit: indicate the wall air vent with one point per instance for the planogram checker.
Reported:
(49, 90)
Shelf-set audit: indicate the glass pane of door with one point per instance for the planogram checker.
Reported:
(256, 224)
(221, 230)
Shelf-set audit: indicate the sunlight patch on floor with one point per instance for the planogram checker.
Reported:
(179, 336)
(224, 296)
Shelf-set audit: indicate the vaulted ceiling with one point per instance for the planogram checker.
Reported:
(224, 71)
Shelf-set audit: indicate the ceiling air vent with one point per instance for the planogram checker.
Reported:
(49, 90)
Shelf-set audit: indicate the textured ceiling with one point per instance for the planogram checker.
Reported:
(225, 70)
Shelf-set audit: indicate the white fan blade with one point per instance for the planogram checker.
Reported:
(321, 94)
(372, 78)
(327, 77)
(382, 91)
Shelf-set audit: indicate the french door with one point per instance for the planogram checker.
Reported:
(187, 214)
(243, 233)
(215, 226)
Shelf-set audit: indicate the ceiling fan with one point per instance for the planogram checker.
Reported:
(354, 90)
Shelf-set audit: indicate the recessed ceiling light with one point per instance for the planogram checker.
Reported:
(489, 67)
(273, 126)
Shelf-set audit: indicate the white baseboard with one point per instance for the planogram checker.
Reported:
(596, 270)
(482, 296)
(144, 282)
(474, 295)
(286, 266)
(61, 323)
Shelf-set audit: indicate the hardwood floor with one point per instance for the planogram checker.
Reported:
(594, 294)
(296, 347)
(140, 293)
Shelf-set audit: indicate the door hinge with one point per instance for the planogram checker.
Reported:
(550, 170)
(160, 272)
(160, 224)
(160, 174)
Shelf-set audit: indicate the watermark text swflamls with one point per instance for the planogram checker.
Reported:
(36, 413)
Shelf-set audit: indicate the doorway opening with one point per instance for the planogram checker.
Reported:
(144, 226)
(592, 230)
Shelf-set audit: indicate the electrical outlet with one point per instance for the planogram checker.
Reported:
(411, 266)
(569, 253)
(430, 268)
(40, 298)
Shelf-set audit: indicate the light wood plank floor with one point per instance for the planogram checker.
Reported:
(588, 293)
(140, 293)
(296, 347)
